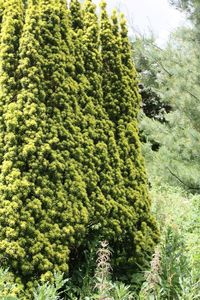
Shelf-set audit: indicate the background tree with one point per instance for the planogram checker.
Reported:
(172, 74)
(167, 76)
(148, 67)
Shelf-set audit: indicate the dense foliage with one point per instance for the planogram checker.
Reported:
(71, 169)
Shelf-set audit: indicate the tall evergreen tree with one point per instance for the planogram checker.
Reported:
(67, 119)
(106, 189)
(129, 74)
(110, 194)
(76, 15)
(136, 181)
(70, 161)
(40, 175)
(15, 185)
(11, 27)
(1, 12)
(102, 159)
(122, 102)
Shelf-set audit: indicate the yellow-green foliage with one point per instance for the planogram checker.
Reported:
(70, 159)
(122, 102)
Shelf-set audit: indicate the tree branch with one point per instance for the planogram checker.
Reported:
(182, 182)
(170, 74)
(191, 94)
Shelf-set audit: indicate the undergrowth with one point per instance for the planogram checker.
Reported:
(173, 273)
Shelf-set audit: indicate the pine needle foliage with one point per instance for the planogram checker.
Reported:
(71, 169)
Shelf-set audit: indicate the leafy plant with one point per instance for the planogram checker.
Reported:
(120, 291)
(8, 289)
(51, 291)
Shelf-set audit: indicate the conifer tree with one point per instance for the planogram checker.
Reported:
(76, 18)
(110, 183)
(13, 186)
(23, 134)
(71, 169)
(71, 204)
(103, 178)
(102, 158)
(121, 100)
(11, 26)
(40, 177)
(76, 15)
(1, 12)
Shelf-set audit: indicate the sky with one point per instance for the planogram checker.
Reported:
(149, 15)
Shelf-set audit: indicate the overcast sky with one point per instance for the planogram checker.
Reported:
(145, 15)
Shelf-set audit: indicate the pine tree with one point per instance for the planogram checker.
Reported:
(122, 102)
